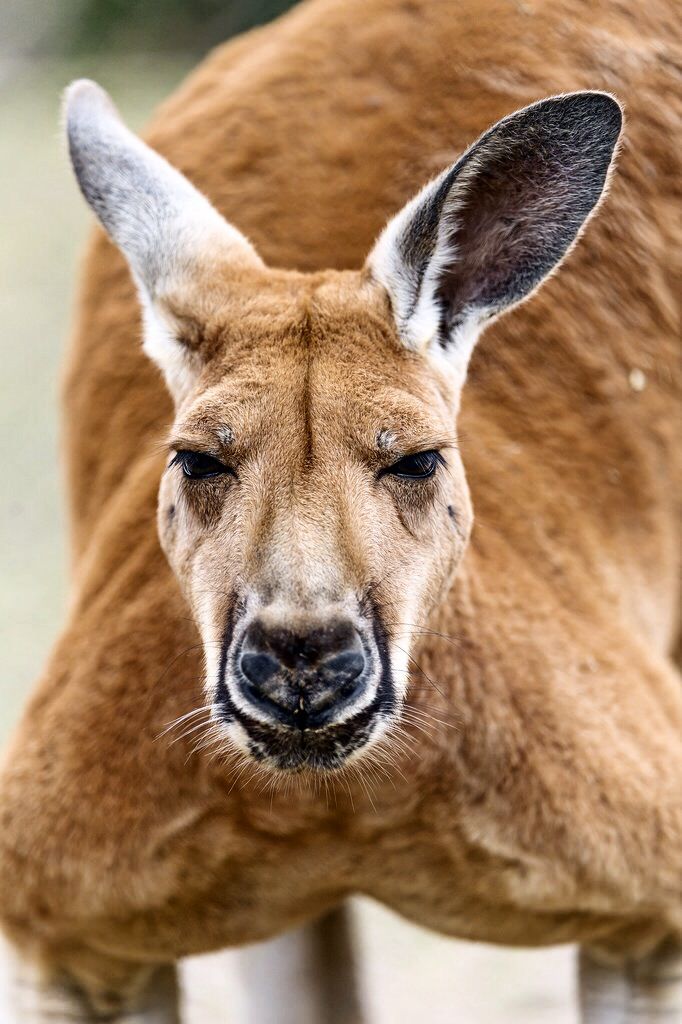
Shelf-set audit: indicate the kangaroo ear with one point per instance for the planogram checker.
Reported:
(484, 234)
(165, 228)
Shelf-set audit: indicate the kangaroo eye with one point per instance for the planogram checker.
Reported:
(198, 466)
(416, 467)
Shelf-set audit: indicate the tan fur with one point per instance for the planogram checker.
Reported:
(538, 799)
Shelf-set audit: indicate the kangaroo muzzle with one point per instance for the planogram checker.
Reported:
(305, 690)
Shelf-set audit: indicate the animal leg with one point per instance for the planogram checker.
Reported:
(29, 995)
(640, 991)
(306, 976)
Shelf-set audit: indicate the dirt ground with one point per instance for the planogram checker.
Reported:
(408, 974)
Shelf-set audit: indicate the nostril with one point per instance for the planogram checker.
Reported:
(302, 679)
(348, 665)
(258, 667)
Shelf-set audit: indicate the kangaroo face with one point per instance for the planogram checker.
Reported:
(314, 506)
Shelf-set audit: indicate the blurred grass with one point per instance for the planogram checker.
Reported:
(129, 25)
(82, 27)
(408, 974)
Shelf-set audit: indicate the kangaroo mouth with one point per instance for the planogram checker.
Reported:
(322, 749)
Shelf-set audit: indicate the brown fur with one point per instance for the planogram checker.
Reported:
(541, 801)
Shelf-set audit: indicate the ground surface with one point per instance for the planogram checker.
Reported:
(409, 975)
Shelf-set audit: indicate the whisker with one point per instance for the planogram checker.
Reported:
(182, 718)
(417, 630)
(423, 673)
(361, 779)
(189, 731)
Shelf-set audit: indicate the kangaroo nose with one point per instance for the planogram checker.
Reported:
(300, 678)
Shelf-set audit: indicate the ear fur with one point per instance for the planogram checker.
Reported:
(166, 228)
(483, 235)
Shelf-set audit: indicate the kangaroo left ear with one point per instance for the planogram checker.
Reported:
(167, 230)
(484, 234)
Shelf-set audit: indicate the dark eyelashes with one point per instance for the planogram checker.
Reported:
(416, 466)
(199, 465)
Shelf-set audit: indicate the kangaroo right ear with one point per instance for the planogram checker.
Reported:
(483, 236)
(164, 227)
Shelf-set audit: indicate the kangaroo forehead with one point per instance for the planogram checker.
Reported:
(379, 409)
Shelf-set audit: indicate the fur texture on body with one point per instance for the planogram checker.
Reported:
(531, 792)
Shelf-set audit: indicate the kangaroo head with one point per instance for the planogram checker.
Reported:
(314, 506)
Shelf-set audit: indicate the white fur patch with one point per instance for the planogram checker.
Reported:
(160, 342)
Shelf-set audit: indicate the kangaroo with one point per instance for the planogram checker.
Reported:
(295, 668)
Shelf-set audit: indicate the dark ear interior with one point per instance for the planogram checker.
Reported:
(507, 212)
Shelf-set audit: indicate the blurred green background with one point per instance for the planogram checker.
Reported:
(139, 51)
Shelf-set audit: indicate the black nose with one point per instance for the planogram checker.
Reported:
(302, 678)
